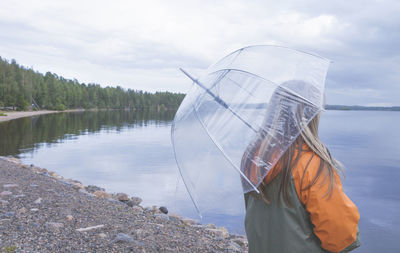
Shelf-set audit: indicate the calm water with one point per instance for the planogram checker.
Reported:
(132, 153)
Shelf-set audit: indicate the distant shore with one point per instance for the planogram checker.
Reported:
(10, 115)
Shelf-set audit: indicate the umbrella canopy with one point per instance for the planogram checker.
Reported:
(257, 94)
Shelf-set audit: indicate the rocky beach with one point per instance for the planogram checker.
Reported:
(40, 211)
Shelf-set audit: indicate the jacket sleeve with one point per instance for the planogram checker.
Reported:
(334, 216)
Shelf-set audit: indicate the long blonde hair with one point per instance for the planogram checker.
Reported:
(328, 166)
(286, 112)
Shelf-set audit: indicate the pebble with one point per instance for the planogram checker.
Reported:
(89, 228)
(137, 209)
(234, 247)
(102, 235)
(19, 196)
(4, 202)
(38, 201)
(14, 160)
(121, 237)
(8, 214)
(10, 185)
(54, 226)
(135, 201)
(123, 197)
(76, 217)
(5, 193)
(102, 194)
(93, 188)
(161, 217)
(212, 226)
(85, 192)
(22, 210)
(55, 175)
(222, 232)
(188, 221)
(241, 241)
(77, 186)
(163, 209)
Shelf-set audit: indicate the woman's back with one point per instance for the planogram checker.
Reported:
(314, 220)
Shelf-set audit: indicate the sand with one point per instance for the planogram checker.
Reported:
(15, 115)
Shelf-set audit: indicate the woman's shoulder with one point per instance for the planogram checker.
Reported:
(308, 162)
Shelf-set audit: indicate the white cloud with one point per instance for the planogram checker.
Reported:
(141, 44)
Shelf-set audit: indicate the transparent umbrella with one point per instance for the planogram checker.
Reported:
(256, 94)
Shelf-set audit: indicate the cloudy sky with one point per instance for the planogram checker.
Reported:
(141, 44)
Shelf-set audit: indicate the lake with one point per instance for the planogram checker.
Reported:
(131, 152)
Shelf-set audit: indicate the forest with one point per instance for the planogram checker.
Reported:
(23, 88)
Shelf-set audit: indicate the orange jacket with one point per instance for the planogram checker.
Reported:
(334, 216)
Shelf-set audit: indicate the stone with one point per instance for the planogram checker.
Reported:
(241, 241)
(77, 186)
(5, 193)
(10, 185)
(222, 232)
(85, 192)
(137, 209)
(55, 175)
(19, 196)
(54, 226)
(4, 202)
(14, 160)
(163, 209)
(89, 228)
(154, 209)
(123, 197)
(33, 210)
(7, 215)
(135, 201)
(102, 235)
(121, 237)
(22, 210)
(102, 194)
(188, 221)
(38, 201)
(140, 233)
(69, 217)
(161, 217)
(33, 185)
(234, 247)
(212, 226)
(93, 188)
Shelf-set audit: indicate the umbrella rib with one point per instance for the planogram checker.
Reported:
(218, 99)
(283, 87)
(223, 152)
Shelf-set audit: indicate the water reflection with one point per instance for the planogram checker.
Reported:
(29, 133)
(131, 152)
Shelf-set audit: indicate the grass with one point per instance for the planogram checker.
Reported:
(10, 249)
(2, 114)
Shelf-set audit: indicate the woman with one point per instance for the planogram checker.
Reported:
(301, 206)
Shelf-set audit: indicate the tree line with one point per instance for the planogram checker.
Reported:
(30, 133)
(21, 87)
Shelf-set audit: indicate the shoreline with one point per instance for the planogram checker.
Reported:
(42, 211)
(10, 115)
